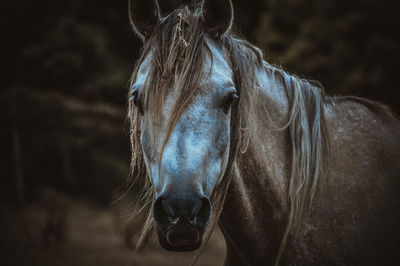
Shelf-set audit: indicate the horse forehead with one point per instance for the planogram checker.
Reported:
(221, 72)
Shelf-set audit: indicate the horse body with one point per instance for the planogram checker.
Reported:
(355, 219)
(291, 176)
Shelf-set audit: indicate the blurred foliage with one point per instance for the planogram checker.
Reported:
(64, 97)
(67, 65)
(350, 46)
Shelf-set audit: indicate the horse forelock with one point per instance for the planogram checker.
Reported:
(178, 50)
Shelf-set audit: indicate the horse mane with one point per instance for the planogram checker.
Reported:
(178, 50)
(309, 145)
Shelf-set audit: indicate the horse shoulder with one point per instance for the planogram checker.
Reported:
(363, 134)
(359, 203)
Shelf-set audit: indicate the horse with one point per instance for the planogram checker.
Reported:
(221, 137)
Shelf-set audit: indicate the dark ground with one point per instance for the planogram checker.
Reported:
(92, 237)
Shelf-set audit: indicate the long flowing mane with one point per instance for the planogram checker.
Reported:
(178, 48)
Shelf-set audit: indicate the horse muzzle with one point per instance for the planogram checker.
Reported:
(181, 220)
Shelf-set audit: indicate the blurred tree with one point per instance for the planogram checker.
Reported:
(64, 96)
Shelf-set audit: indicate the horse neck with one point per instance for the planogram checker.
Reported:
(257, 197)
(265, 149)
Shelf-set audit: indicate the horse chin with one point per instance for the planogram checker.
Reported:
(178, 244)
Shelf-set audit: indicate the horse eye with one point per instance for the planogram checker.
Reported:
(228, 99)
(135, 98)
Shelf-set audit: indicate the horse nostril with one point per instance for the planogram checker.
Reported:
(201, 213)
(162, 213)
(192, 220)
(174, 220)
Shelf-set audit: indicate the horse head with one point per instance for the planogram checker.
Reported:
(182, 93)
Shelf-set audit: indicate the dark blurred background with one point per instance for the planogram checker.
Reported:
(63, 101)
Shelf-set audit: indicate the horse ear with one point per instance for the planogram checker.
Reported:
(217, 16)
(144, 15)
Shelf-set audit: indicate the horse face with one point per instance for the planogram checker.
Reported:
(195, 155)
